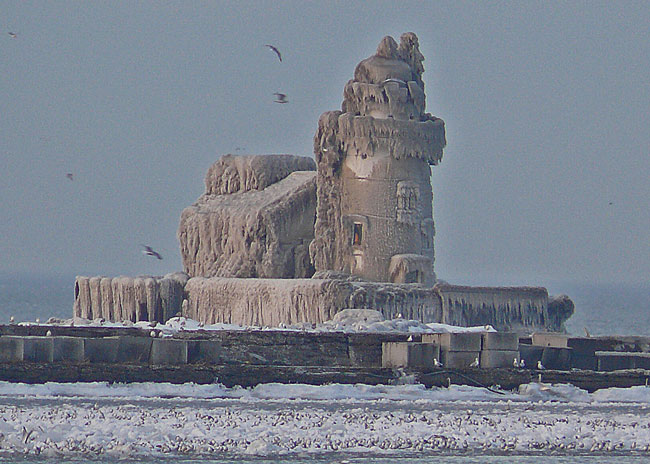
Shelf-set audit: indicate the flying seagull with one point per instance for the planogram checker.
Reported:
(13, 35)
(275, 50)
(150, 251)
(70, 176)
(391, 79)
(280, 98)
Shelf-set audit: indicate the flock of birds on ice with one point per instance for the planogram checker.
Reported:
(289, 426)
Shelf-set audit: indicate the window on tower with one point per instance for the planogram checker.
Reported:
(408, 195)
(357, 233)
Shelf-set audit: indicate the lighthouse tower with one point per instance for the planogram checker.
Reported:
(374, 214)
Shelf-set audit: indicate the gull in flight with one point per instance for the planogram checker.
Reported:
(70, 176)
(280, 98)
(150, 251)
(275, 50)
(13, 35)
(390, 79)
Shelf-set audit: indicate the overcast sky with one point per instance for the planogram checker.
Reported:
(546, 104)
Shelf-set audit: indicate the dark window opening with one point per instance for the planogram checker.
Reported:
(412, 277)
(357, 234)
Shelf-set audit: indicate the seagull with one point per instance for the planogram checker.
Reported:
(11, 319)
(587, 333)
(515, 363)
(474, 363)
(437, 363)
(275, 50)
(540, 366)
(26, 434)
(522, 363)
(280, 98)
(410, 339)
(13, 35)
(150, 251)
(48, 333)
(70, 176)
(399, 81)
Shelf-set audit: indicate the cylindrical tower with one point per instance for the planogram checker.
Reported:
(375, 215)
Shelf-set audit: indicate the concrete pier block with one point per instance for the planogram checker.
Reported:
(531, 354)
(503, 341)
(498, 358)
(204, 351)
(168, 351)
(466, 341)
(11, 349)
(556, 358)
(101, 350)
(409, 354)
(68, 349)
(38, 349)
(552, 339)
(459, 359)
(134, 349)
(616, 360)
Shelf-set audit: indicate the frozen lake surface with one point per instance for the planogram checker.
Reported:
(332, 423)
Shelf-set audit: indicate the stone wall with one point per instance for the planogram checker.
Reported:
(505, 308)
(144, 298)
(270, 302)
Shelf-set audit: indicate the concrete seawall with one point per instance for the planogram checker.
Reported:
(246, 358)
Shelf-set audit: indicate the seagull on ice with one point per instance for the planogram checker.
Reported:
(540, 366)
(150, 251)
(474, 363)
(275, 50)
(280, 98)
(70, 176)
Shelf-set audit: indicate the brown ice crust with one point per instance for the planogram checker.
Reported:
(253, 233)
(232, 174)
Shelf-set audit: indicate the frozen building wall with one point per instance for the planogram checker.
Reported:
(144, 298)
(269, 302)
(255, 219)
(508, 308)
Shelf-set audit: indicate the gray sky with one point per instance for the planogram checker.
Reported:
(546, 106)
